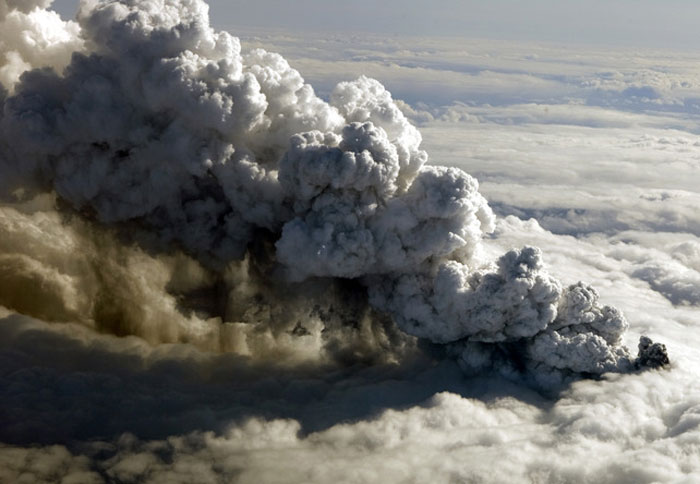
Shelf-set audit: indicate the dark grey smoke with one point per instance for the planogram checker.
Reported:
(161, 127)
(651, 355)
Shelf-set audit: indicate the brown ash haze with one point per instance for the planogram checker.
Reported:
(208, 273)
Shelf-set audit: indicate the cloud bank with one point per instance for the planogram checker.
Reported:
(184, 415)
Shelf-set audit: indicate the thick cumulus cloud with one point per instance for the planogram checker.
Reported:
(32, 36)
(163, 128)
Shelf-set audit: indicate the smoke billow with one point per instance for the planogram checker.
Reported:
(267, 220)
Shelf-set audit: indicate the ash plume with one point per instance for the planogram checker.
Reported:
(238, 181)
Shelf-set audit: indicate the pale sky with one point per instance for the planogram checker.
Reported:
(649, 23)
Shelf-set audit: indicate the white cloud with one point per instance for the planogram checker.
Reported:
(33, 37)
(610, 432)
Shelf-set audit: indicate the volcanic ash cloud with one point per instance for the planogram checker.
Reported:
(160, 123)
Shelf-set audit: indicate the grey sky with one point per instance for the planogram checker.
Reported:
(649, 23)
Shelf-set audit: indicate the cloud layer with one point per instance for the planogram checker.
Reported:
(185, 414)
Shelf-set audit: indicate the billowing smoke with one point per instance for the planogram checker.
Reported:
(302, 220)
